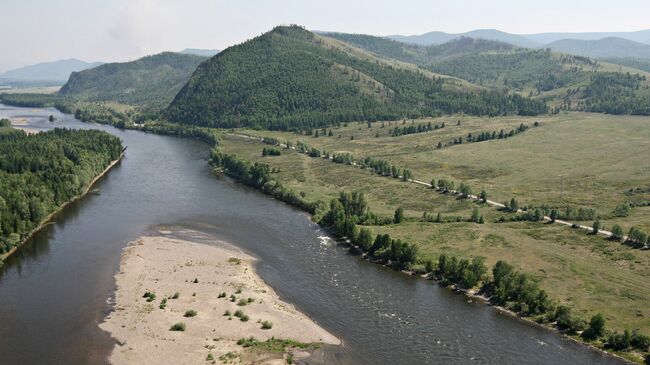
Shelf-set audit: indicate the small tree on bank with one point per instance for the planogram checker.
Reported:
(596, 328)
(399, 215)
(617, 232)
(596, 226)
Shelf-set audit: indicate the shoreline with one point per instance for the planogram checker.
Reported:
(473, 294)
(468, 293)
(50, 216)
(184, 275)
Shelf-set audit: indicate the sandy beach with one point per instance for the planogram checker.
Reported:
(190, 276)
(22, 123)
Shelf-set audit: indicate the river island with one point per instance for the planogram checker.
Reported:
(183, 302)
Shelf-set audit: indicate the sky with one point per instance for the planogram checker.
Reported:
(36, 31)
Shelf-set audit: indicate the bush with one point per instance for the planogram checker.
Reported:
(239, 313)
(596, 328)
(244, 318)
(163, 303)
(566, 321)
(267, 325)
(242, 302)
(150, 296)
(639, 341)
(176, 295)
(180, 326)
(227, 313)
(190, 313)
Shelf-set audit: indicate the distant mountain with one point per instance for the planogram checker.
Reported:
(522, 40)
(148, 81)
(290, 78)
(200, 52)
(426, 39)
(642, 36)
(56, 71)
(435, 38)
(603, 48)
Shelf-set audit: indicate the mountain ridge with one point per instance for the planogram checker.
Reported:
(148, 81)
(290, 78)
(534, 40)
(602, 48)
(200, 52)
(52, 71)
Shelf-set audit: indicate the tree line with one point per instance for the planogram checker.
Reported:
(487, 136)
(349, 216)
(41, 172)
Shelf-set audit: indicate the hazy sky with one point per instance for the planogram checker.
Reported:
(117, 30)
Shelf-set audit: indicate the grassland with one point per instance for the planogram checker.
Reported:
(601, 157)
(577, 159)
(31, 90)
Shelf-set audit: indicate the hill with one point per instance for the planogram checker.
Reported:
(290, 78)
(436, 38)
(419, 55)
(538, 40)
(149, 81)
(200, 52)
(564, 81)
(56, 71)
(641, 36)
(489, 63)
(638, 64)
(603, 48)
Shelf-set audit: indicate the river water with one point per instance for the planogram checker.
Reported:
(57, 288)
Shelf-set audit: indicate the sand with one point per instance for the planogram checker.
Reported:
(166, 265)
(22, 123)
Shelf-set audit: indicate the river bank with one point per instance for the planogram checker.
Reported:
(50, 216)
(186, 281)
(281, 193)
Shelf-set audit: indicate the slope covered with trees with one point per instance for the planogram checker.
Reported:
(41, 172)
(149, 81)
(602, 48)
(566, 81)
(290, 78)
(421, 55)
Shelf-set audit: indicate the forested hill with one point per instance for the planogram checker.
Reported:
(421, 55)
(562, 80)
(40, 172)
(290, 78)
(149, 81)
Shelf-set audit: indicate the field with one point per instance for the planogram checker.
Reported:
(31, 90)
(578, 159)
(600, 157)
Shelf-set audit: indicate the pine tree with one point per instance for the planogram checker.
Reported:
(596, 226)
(399, 215)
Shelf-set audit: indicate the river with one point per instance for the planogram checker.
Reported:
(58, 287)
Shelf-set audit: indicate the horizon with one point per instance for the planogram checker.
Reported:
(119, 31)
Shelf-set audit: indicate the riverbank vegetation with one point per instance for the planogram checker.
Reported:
(335, 120)
(41, 172)
(548, 267)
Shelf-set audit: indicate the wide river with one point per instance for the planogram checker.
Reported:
(58, 287)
